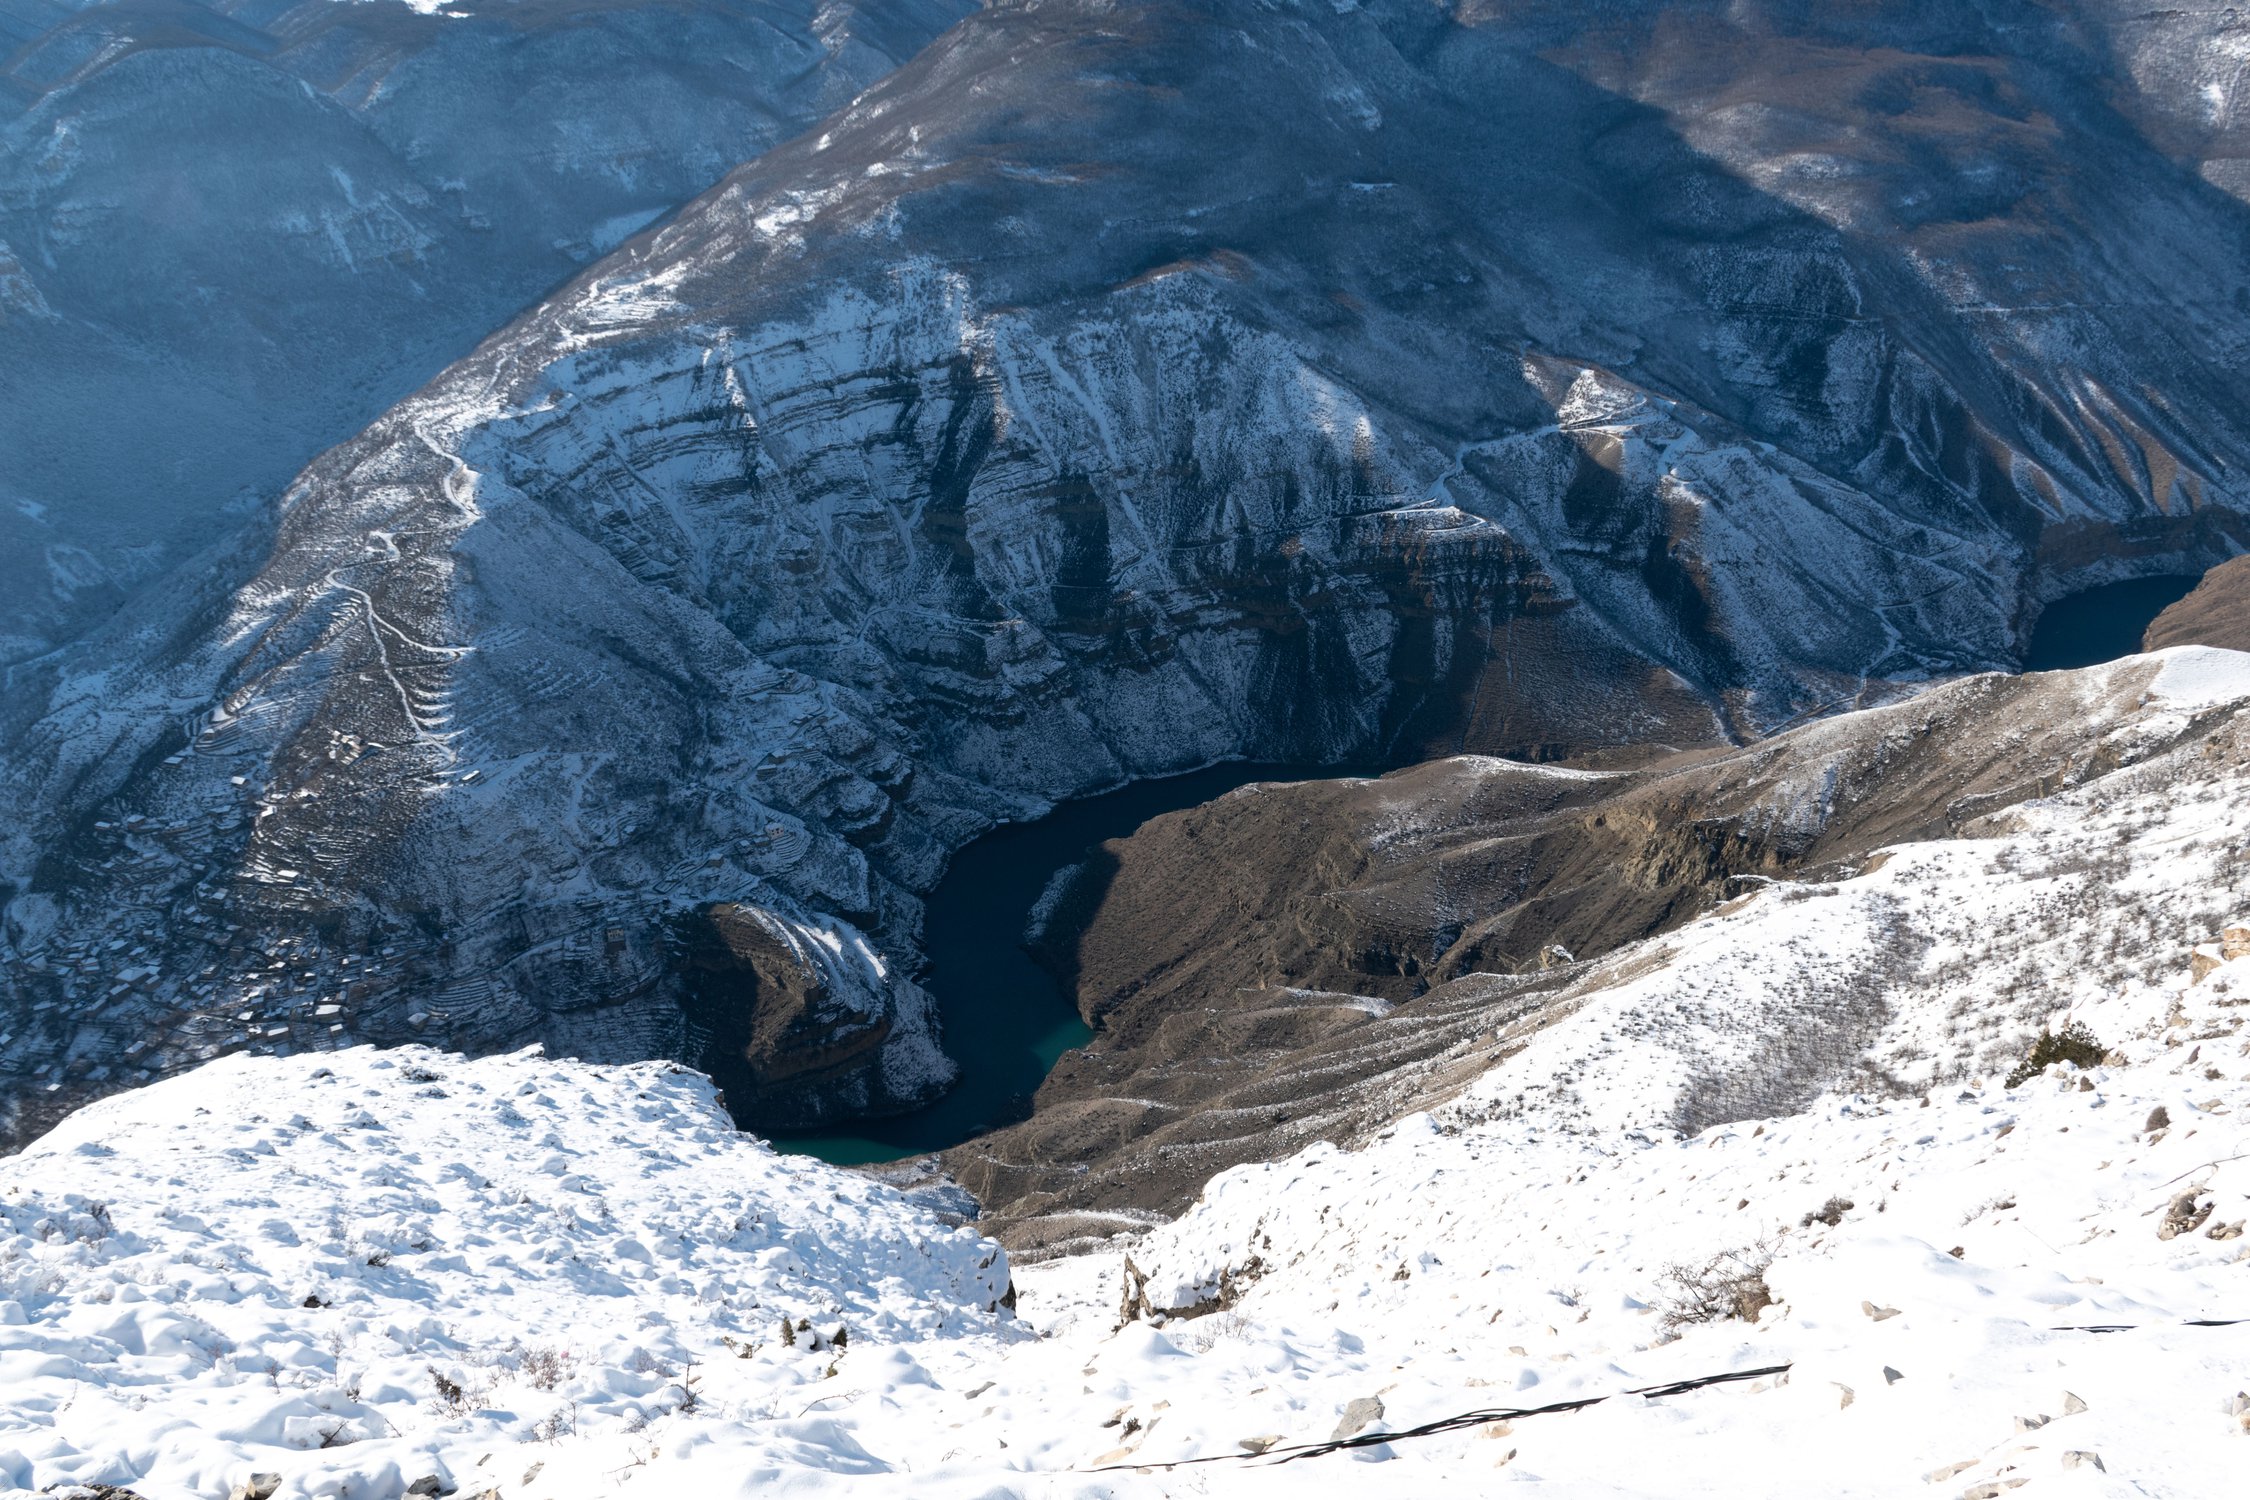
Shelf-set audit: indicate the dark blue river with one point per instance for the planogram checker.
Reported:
(1006, 1020)
(2101, 623)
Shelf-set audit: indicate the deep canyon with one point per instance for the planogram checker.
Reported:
(932, 469)
(1108, 749)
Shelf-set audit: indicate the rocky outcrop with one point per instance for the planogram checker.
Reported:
(1297, 962)
(2215, 613)
(1113, 390)
(790, 1023)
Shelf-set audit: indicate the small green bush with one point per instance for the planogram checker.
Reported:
(2073, 1044)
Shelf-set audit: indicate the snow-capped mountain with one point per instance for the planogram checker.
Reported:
(232, 233)
(1112, 389)
(350, 1275)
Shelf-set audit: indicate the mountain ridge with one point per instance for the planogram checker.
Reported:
(244, 231)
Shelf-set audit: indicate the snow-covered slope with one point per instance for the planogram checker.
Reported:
(1369, 944)
(1977, 1289)
(265, 1257)
(231, 234)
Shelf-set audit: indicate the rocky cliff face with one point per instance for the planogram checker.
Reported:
(791, 1032)
(1111, 390)
(230, 236)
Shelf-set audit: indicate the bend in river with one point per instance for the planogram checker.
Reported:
(2101, 623)
(1007, 1019)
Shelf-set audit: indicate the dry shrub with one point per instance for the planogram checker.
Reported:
(1830, 1213)
(1731, 1284)
(545, 1367)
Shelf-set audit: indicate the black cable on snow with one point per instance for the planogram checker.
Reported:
(1509, 1414)
(1452, 1424)
(2136, 1327)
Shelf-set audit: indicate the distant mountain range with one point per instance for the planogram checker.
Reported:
(233, 231)
(1110, 389)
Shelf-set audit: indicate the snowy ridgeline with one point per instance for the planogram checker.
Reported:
(402, 1259)
(545, 1279)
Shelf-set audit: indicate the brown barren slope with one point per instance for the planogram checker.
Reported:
(1301, 962)
(2216, 614)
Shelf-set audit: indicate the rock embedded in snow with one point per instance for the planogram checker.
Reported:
(2184, 1214)
(1359, 1414)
